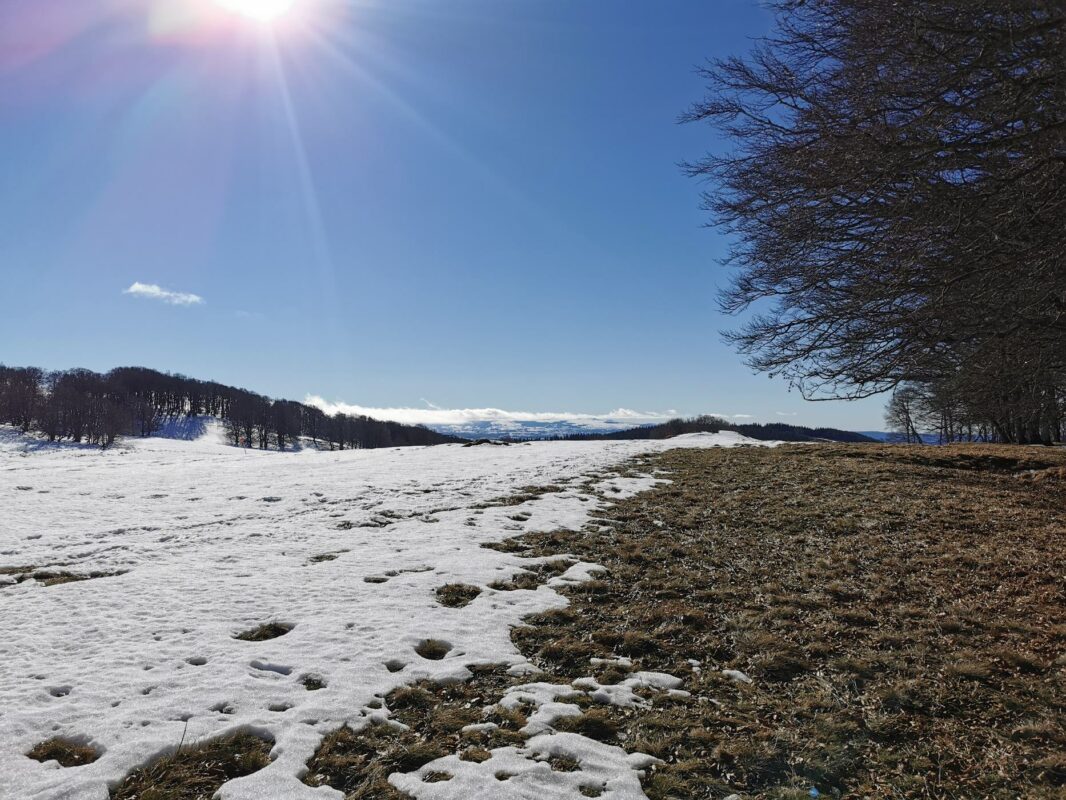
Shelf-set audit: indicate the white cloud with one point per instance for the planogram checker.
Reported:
(786, 413)
(154, 292)
(434, 415)
(729, 416)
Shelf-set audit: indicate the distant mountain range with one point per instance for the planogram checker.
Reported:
(530, 429)
(618, 429)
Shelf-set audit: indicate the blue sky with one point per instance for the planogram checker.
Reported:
(393, 204)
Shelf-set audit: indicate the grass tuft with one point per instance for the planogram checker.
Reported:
(68, 752)
(197, 772)
(359, 764)
(457, 595)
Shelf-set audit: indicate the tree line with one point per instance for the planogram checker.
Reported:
(896, 191)
(80, 405)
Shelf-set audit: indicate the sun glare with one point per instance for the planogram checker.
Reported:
(265, 11)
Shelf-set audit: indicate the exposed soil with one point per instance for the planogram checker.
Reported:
(264, 632)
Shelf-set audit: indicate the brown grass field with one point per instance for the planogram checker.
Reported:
(900, 610)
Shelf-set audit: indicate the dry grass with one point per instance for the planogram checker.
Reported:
(520, 496)
(359, 764)
(598, 724)
(457, 595)
(533, 576)
(438, 713)
(900, 610)
(197, 772)
(67, 752)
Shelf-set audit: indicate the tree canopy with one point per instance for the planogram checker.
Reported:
(896, 191)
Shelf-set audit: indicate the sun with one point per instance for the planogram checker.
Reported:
(265, 11)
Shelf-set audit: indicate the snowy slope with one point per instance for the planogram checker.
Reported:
(212, 540)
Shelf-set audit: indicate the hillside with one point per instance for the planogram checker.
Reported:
(774, 431)
(79, 405)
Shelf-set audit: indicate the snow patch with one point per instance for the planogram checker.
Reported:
(138, 660)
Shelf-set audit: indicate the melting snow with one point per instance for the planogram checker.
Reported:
(203, 542)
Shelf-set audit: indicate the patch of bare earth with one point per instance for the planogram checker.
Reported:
(264, 632)
(520, 496)
(53, 577)
(899, 612)
(66, 752)
(56, 578)
(457, 595)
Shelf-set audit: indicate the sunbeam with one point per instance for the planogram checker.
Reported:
(265, 11)
(323, 256)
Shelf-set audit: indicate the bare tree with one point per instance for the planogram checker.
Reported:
(896, 194)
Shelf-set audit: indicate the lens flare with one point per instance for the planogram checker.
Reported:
(264, 11)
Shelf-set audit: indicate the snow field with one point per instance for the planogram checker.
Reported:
(347, 548)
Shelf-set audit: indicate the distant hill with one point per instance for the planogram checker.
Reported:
(880, 436)
(777, 431)
(80, 405)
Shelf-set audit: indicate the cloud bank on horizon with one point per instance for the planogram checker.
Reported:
(498, 421)
(154, 292)
(433, 416)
